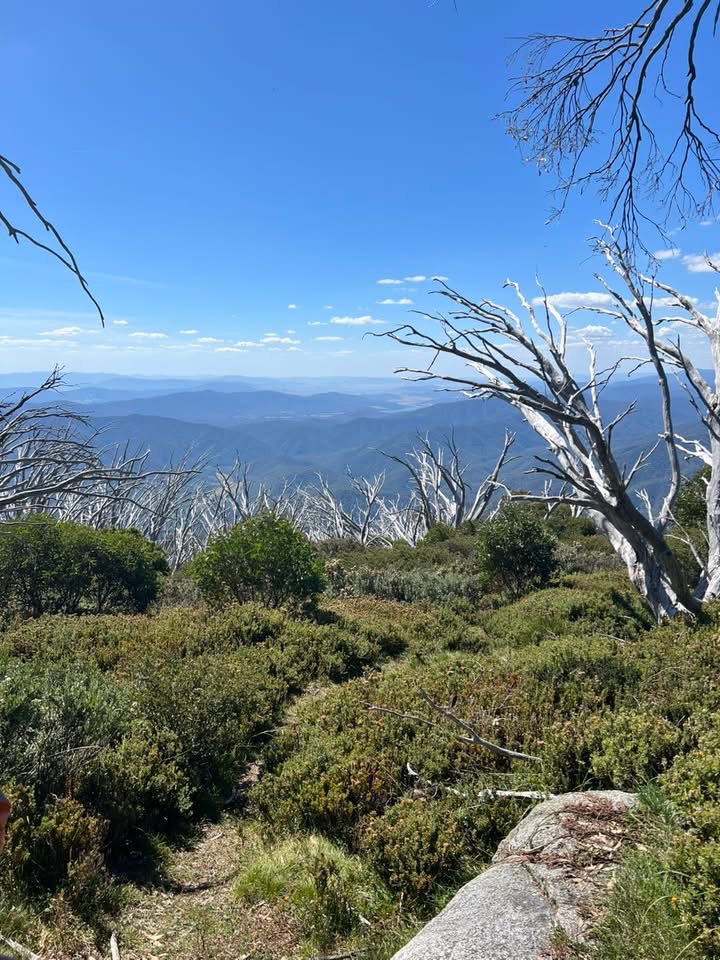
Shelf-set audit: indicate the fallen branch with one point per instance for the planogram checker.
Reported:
(488, 794)
(491, 794)
(114, 948)
(436, 786)
(473, 737)
(335, 956)
(18, 948)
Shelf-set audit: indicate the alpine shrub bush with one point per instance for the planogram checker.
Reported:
(48, 566)
(263, 559)
(515, 550)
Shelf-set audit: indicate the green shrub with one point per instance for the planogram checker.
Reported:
(213, 705)
(126, 571)
(52, 567)
(602, 603)
(262, 559)
(587, 555)
(693, 785)
(140, 787)
(242, 625)
(55, 716)
(418, 842)
(436, 586)
(53, 847)
(634, 747)
(31, 563)
(515, 550)
(307, 651)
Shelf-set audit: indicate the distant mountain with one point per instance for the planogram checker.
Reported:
(302, 447)
(98, 387)
(297, 433)
(228, 409)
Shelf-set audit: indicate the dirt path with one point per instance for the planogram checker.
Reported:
(196, 917)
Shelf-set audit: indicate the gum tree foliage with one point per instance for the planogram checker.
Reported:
(54, 567)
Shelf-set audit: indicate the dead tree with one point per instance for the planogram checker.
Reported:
(666, 349)
(525, 363)
(48, 451)
(584, 111)
(440, 491)
(56, 245)
(328, 517)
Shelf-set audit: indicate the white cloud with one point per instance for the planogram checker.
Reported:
(274, 338)
(698, 262)
(576, 301)
(671, 254)
(61, 332)
(294, 350)
(188, 333)
(292, 306)
(120, 323)
(39, 342)
(669, 301)
(209, 340)
(402, 302)
(365, 321)
(418, 279)
(291, 331)
(149, 336)
(230, 349)
(592, 331)
(389, 282)
(248, 343)
(317, 323)
(329, 338)
(328, 306)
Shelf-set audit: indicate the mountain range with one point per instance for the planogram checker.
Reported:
(298, 428)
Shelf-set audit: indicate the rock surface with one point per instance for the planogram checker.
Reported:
(548, 874)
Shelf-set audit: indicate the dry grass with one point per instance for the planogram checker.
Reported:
(196, 916)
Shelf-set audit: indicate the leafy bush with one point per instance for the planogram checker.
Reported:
(262, 559)
(53, 847)
(601, 603)
(693, 785)
(415, 843)
(213, 704)
(436, 586)
(516, 550)
(118, 735)
(52, 567)
(126, 570)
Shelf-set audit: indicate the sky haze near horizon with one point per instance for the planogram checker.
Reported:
(252, 188)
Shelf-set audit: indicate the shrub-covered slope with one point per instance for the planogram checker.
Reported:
(122, 732)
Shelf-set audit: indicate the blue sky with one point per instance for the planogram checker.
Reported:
(237, 177)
